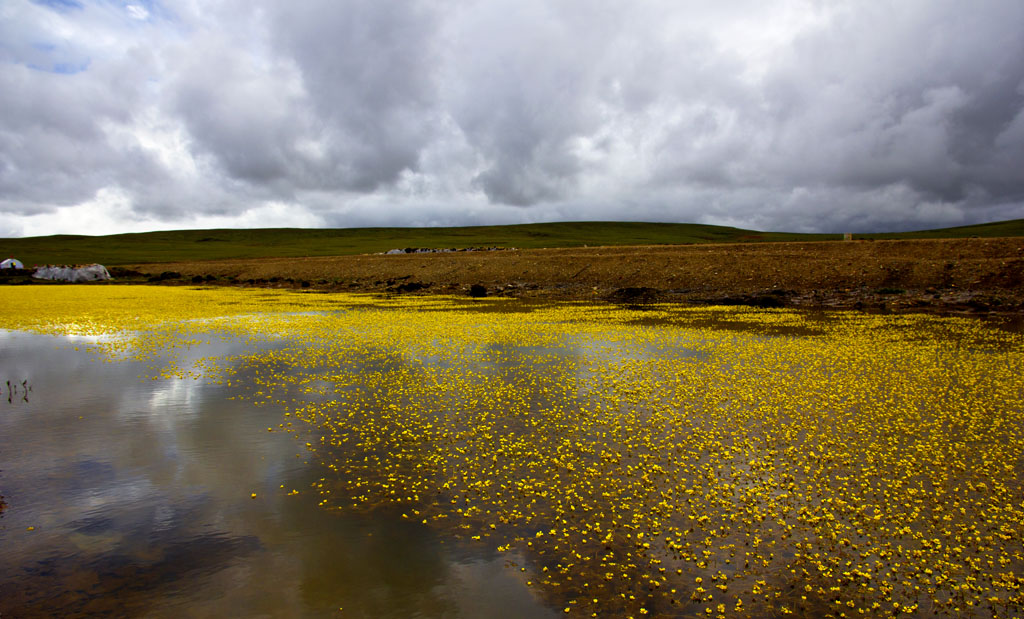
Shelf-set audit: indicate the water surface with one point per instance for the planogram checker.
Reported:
(132, 496)
(423, 457)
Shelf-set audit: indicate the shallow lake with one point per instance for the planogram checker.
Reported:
(172, 451)
(138, 495)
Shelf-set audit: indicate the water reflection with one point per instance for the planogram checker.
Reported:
(128, 496)
(16, 391)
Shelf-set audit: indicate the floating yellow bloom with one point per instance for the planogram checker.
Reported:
(807, 464)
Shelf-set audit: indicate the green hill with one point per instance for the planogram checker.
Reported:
(1013, 227)
(187, 245)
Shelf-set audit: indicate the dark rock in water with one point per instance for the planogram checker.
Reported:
(477, 290)
(635, 295)
(411, 287)
(120, 272)
(166, 275)
(764, 300)
(767, 301)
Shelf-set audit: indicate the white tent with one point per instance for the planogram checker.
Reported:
(12, 263)
(88, 273)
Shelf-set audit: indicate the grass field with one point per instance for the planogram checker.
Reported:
(199, 245)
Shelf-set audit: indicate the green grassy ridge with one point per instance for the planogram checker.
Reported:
(998, 229)
(197, 245)
(180, 245)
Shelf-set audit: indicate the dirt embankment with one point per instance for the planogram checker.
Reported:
(954, 274)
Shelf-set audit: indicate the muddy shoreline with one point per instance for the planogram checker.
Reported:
(947, 275)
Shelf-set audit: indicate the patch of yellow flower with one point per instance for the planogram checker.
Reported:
(676, 461)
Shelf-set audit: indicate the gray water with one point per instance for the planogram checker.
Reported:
(127, 496)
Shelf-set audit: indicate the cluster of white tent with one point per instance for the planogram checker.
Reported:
(87, 273)
(75, 274)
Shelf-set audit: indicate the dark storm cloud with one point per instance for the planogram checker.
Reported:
(520, 85)
(52, 136)
(794, 114)
(929, 99)
(336, 97)
(239, 110)
(368, 69)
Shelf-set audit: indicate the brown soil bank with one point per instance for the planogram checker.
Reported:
(948, 274)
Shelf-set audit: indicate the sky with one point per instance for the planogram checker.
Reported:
(782, 115)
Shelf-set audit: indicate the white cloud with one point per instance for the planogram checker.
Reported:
(137, 11)
(112, 210)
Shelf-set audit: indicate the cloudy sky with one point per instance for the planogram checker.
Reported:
(799, 115)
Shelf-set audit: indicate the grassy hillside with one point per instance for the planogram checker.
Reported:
(998, 229)
(181, 245)
(189, 245)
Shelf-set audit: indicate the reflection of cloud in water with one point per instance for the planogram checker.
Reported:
(94, 464)
(138, 491)
(171, 402)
